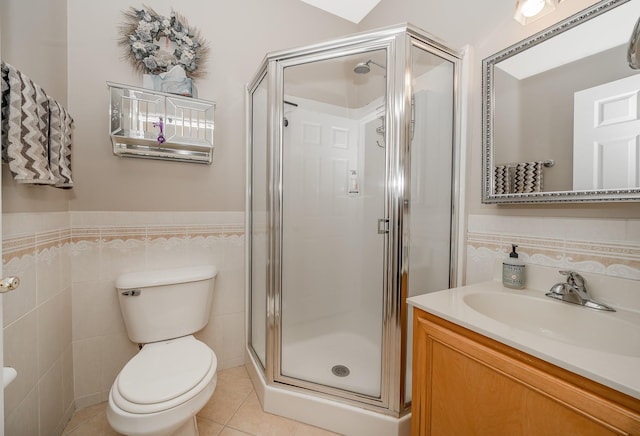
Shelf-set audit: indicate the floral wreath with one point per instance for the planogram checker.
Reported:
(142, 30)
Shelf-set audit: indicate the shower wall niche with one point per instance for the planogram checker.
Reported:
(352, 157)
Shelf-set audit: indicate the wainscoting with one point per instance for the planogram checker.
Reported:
(64, 332)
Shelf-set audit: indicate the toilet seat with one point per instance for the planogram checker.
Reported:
(164, 375)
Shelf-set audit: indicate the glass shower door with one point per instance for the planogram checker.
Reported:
(259, 223)
(333, 232)
(431, 145)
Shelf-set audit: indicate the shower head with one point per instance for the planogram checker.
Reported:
(362, 68)
(365, 67)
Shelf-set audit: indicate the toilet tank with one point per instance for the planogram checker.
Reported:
(166, 304)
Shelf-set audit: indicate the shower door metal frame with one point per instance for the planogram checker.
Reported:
(397, 41)
(261, 74)
(418, 39)
(335, 49)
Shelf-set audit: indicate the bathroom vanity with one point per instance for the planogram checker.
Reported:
(490, 360)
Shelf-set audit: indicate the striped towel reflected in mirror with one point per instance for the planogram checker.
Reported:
(36, 132)
(518, 178)
(528, 177)
(503, 176)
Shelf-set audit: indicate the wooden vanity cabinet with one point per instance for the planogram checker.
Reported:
(465, 383)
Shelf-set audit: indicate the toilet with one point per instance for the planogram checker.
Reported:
(160, 390)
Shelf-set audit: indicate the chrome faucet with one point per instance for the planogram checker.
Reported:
(574, 290)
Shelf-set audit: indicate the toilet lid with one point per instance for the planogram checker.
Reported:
(164, 370)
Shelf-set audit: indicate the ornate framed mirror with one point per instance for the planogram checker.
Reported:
(561, 112)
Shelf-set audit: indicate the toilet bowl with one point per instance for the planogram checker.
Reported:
(160, 390)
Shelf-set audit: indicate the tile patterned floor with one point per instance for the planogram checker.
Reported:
(234, 410)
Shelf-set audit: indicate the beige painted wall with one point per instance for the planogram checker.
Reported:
(488, 27)
(240, 33)
(85, 55)
(34, 40)
(239, 41)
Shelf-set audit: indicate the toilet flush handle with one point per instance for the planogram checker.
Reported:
(131, 292)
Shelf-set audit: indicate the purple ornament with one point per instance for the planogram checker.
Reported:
(160, 124)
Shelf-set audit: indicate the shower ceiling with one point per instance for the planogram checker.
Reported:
(352, 10)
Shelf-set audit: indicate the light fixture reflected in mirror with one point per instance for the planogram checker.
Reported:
(530, 10)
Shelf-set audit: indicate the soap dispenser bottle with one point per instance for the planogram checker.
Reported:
(513, 275)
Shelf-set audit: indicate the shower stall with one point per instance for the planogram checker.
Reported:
(353, 154)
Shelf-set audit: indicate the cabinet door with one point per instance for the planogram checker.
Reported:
(467, 384)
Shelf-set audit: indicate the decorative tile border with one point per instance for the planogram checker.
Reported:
(18, 246)
(618, 257)
(588, 251)
(85, 235)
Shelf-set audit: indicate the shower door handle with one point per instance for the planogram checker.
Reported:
(383, 226)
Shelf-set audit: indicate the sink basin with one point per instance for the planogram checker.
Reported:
(603, 331)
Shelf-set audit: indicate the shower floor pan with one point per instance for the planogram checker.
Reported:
(314, 359)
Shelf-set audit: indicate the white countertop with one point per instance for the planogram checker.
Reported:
(618, 371)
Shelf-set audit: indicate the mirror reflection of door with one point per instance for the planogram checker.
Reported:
(606, 132)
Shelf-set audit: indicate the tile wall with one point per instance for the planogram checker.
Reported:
(37, 323)
(105, 245)
(600, 246)
(76, 257)
(63, 330)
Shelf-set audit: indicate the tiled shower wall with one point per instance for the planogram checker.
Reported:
(66, 351)
(601, 246)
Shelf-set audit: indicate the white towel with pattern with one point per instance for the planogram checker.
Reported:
(36, 132)
(28, 130)
(60, 126)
